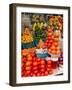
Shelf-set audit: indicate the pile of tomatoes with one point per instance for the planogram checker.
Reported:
(33, 66)
(52, 42)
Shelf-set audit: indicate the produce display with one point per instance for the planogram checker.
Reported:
(41, 45)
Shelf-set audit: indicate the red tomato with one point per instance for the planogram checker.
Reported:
(49, 37)
(58, 52)
(34, 59)
(35, 68)
(22, 74)
(38, 74)
(35, 71)
(57, 48)
(56, 39)
(52, 47)
(22, 65)
(50, 41)
(46, 73)
(23, 59)
(48, 69)
(42, 74)
(56, 44)
(42, 61)
(32, 55)
(49, 62)
(28, 63)
(50, 72)
(42, 66)
(29, 58)
(49, 34)
(33, 74)
(35, 63)
(46, 43)
(28, 68)
(53, 51)
(49, 65)
(56, 36)
(49, 44)
(38, 59)
(42, 70)
(28, 72)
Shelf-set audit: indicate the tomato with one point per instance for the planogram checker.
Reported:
(57, 48)
(58, 52)
(52, 47)
(50, 41)
(28, 63)
(22, 74)
(42, 74)
(38, 74)
(56, 44)
(35, 68)
(28, 72)
(49, 37)
(32, 55)
(49, 34)
(34, 59)
(49, 65)
(28, 68)
(28, 55)
(42, 70)
(49, 62)
(48, 69)
(29, 58)
(56, 34)
(42, 66)
(23, 69)
(42, 61)
(38, 59)
(47, 41)
(49, 44)
(50, 72)
(35, 71)
(56, 39)
(35, 63)
(33, 74)
(22, 65)
(53, 51)
(23, 59)
(46, 73)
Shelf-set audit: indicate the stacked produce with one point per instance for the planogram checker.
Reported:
(33, 66)
(55, 48)
(27, 37)
(41, 51)
(49, 39)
